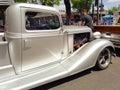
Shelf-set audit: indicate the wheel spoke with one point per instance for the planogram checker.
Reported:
(102, 60)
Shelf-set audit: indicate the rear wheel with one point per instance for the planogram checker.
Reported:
(104, 59)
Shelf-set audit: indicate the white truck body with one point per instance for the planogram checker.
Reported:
(34, 55)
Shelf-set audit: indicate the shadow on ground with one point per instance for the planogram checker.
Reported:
(61, 81)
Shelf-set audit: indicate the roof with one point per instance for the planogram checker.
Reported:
(37, 6)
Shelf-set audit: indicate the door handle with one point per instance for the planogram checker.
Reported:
(27, 44)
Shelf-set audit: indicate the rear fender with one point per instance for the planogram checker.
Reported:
(86, 56)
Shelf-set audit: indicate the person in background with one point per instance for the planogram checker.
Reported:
(86, 19)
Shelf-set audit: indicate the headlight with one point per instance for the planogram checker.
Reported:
(97, 35)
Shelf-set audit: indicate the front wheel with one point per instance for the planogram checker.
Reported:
(104, 59)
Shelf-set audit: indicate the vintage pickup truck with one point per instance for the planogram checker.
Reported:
(38, 49)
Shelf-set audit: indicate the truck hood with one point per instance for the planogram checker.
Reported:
(76, 29)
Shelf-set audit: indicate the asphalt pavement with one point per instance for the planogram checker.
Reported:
(92, 79)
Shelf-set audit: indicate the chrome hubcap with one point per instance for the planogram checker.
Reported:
(105, 58)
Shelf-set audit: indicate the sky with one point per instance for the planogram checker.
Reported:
(107, 3)
(110, 3)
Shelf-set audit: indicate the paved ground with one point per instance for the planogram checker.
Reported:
(92, 79)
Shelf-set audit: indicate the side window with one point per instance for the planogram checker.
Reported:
(41, 21)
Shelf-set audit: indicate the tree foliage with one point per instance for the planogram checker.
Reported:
(113, 9)
(81, 4)
(50, 2)
(20, 0)
(43, 2)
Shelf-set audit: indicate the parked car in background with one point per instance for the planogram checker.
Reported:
(111, 33)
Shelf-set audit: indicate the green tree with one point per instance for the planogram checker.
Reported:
(50, 2)
(43, 2)
(113, 9)
(20, 0)
(81, 4)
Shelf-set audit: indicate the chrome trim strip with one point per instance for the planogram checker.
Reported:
(5, 67)
(30, 35)
(39, 35)
(13, 35)
(3, 43)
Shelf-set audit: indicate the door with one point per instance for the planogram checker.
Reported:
(42, 44)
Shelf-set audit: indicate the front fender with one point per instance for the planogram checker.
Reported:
(86, 56)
